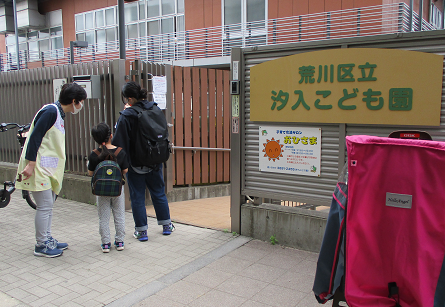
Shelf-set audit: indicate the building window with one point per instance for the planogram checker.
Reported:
(436, 18)
(153, 8)
(232, 12)
(142, 18)
(33, 43)
(110, 17)
(244, 22)
(244, 11)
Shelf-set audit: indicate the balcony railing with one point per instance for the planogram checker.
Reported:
(217, 41)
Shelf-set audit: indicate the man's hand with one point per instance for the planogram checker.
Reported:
(29, 169)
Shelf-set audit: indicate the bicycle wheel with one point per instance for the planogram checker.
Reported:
(27, 196)
(5, 197)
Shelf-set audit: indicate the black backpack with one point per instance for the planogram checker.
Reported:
(107, 177)
(151, 145)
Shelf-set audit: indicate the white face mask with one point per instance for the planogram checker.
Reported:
(76, 110)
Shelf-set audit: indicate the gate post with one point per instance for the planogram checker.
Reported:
(236, 143)
(169, 180)
(118, 75)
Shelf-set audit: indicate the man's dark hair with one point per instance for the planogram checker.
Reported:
(72, 91)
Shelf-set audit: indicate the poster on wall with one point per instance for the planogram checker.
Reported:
(290, 150)
(160, 91)
(57, 87)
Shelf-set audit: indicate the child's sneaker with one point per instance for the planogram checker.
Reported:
(119, 245)
(141, 235)
(59, 245)
(106, 247)
(47, 249)
(168, 229)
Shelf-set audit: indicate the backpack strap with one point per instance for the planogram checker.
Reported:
(139, 109)
(118, 150)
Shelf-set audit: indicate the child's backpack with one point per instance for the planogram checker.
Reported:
(107, 177)
(151, 145)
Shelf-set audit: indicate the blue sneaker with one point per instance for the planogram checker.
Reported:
(106, 247)
(120, 245)
(168, 229)
(141, 235)
(47, 249)
(59, 245)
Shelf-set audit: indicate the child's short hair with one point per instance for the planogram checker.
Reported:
(101, 133)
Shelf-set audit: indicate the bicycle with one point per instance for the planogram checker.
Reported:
(9, 186)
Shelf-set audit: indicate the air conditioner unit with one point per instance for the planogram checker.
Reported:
(28, 16)
(6, 17)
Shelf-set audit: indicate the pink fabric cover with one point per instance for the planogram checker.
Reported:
(387, 244)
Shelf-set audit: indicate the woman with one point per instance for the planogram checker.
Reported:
(141, 177)
(42, 164)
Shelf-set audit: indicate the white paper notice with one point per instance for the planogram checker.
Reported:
(159, 85)
(161, 100)
(160, 91)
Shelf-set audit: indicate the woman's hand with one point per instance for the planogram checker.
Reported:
(29, 170)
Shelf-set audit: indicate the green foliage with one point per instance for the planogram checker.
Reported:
(273, 240)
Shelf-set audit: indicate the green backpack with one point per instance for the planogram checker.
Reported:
(107, 177)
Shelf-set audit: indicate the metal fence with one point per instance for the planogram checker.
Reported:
(24, 92)
(198, 108)
(217, 41)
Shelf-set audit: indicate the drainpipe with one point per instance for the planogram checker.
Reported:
(121, 27)
(17, 50)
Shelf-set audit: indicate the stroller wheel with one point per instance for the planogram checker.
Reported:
(5, 197)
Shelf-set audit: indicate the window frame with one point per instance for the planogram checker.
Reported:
(244, 32)
(36, 39)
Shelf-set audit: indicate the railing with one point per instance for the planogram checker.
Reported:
(217, 41)
(195, 149)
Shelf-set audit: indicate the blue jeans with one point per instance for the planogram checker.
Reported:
(154, 181)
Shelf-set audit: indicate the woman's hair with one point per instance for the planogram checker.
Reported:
(133, 90)
(101, 134)
(72, 91)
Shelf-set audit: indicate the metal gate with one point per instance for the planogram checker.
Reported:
(251, 185)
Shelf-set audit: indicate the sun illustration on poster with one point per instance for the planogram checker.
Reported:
(273, 149)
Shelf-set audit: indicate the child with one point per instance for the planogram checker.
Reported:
(102, 135)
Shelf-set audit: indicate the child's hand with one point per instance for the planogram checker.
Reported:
(126, 106)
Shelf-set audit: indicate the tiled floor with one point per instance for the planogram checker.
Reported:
(213, 213)
(256, 274)
(193, 267)
(84, 276)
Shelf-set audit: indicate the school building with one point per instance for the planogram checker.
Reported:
(192, 32)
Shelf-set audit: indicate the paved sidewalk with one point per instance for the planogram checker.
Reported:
(192, 267)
